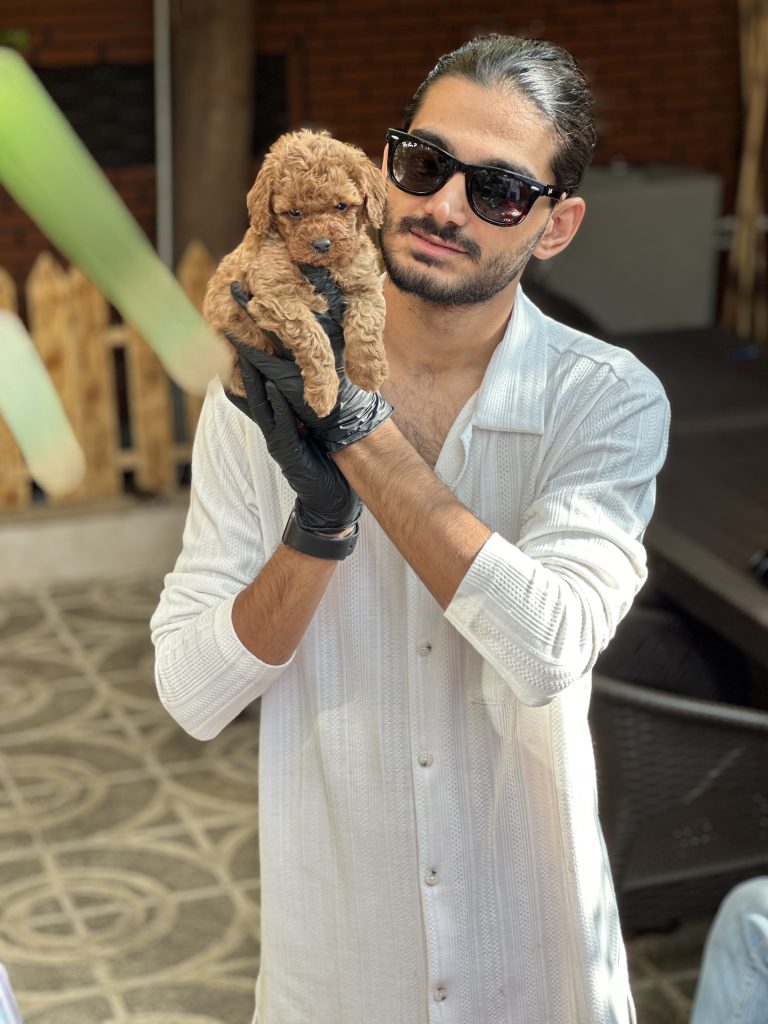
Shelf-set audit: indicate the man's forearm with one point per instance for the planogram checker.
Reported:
(272, 614)
(437, 535)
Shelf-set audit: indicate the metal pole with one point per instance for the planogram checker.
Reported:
(163, 131)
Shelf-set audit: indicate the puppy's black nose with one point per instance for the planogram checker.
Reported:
(321, 244)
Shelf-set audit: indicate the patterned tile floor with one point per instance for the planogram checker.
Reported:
(129, 885)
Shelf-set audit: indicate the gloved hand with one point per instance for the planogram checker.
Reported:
(356, 412)
(325, 503)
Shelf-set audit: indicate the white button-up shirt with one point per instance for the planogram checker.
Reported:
(430, 847)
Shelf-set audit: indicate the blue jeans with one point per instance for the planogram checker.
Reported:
(9, 1011)
(733, 983)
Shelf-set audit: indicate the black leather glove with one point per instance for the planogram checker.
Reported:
(356, 412)
(325, 503)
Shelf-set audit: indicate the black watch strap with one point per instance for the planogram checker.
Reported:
(317, 544)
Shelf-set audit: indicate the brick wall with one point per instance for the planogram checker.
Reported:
(80, 32)
(67, 34)
(665, 74)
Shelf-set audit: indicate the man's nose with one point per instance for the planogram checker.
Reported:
(449, 204)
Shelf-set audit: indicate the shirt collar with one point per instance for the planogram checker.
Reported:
(511, 396)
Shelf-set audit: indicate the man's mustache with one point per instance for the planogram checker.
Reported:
(449, 233)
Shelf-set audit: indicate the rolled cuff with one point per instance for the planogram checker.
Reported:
(206, 676)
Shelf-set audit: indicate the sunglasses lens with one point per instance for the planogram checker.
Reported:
(499, 197)
(418, 167)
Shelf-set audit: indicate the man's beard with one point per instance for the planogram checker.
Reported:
(480, 285)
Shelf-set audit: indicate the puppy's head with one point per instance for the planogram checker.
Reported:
(317, 193)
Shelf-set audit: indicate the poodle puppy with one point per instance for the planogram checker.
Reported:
(309, 206)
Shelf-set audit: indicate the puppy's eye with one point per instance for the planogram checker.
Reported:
(294, 213)
(342, 206)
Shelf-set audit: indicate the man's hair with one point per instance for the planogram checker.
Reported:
(546, 75)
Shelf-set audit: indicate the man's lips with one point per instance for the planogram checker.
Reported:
(432, 244)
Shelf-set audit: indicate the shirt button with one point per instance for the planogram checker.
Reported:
(431, 878)
(440, 994)
(425, 760)
(424, 648)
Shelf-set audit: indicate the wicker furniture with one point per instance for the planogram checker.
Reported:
(683, 797)
(710, 516)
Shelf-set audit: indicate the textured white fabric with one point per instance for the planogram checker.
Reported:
(430, 849)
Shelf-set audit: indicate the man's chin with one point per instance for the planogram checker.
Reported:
(418, 283)
(426, 278)
(428, 287)
(415, 279)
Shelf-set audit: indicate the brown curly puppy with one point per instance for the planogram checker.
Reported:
(309, 204)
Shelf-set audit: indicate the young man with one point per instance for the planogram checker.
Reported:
(430, 849)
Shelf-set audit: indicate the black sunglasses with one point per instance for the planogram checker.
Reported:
(496, 195)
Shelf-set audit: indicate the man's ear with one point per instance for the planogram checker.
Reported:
(563, 225)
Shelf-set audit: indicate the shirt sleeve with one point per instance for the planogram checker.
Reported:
(204, 674)
(540, 610)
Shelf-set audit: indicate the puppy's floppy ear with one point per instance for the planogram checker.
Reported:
(373, 186)
(260, 198)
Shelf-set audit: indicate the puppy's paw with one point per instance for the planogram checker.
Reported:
(369, 378)
(366, 366)
(321, 393)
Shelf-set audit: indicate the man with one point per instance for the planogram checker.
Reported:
(430, 849)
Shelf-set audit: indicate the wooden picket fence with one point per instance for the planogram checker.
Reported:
(134, 426)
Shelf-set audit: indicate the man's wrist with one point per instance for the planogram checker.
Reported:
(357, 427)
(385, 442)
(319, 543)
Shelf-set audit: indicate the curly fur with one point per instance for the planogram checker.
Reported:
(309, 173)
